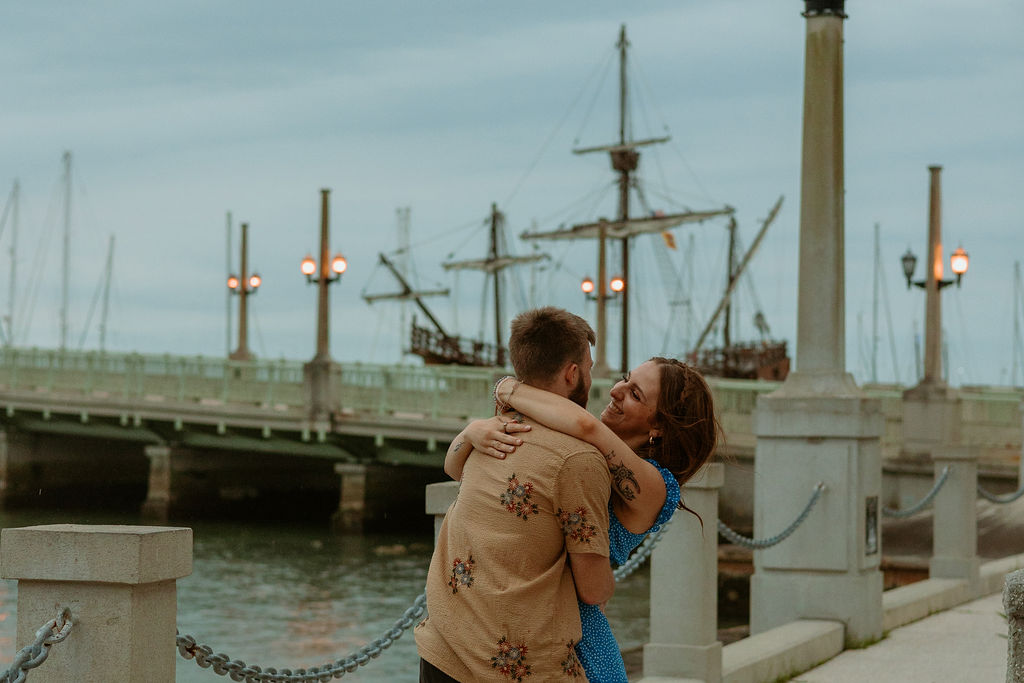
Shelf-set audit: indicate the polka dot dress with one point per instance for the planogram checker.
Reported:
(597, 650)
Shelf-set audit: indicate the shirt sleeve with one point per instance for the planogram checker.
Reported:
(581, 503)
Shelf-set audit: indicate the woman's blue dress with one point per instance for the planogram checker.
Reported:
(597, 650)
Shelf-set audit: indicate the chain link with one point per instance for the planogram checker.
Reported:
(640, 556)
(31, 656)
(903, 514)
(758, 544)
(1001, 499)
(238, 670)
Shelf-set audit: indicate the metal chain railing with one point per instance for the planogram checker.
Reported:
(643, 551)
(240, 671)
(902, 514)
(758, 544)
(1001, 499)
(31, 656)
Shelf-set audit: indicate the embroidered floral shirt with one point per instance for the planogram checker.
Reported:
(501, 601)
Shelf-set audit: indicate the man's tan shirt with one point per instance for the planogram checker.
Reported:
(501, 601)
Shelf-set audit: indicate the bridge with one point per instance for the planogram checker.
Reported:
(170, 406)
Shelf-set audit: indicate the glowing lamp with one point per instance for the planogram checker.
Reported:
(958, 261)
(587, 286)
(232, 282)
(617, 284)
(255, 281)
(339, 264)
(308, 266)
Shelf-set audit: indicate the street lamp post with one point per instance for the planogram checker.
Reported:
(934, 282)
(320, 371)
(243, 285)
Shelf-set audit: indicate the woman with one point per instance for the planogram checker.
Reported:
(658, 429)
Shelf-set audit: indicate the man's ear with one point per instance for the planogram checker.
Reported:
(571, 374)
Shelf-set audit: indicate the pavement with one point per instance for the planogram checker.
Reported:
(966, 644)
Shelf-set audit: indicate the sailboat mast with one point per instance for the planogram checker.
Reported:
(106, 294)
(15, 198)
(874, 309)
(496, 274)
(228, 269)
(65, 279)
(1016, 323)
(729, 280)
(624, 171)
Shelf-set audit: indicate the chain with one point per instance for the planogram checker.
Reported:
(995, 498)
(902, 514)
(640, 556)
(758, 544)
(31, 656)
(240, 671)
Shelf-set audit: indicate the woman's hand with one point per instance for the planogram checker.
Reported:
(495, 436)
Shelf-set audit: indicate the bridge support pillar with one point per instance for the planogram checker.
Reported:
(119, 583)
(684, 588)
(351, 513)
(955, 533)
(829, 567)
(4, 460)
(157, 505)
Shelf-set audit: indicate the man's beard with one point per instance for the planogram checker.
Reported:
(579, 393)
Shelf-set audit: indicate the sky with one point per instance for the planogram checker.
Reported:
(179, 114)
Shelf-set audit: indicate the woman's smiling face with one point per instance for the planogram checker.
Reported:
(633, 406)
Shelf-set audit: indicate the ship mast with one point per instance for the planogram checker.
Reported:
(65, 276)
(624, 158)
(492, 265)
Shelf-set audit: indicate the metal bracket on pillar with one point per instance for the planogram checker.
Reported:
(826, 8)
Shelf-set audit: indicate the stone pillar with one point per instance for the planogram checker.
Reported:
(684, 588)
(157, 505)
(440, 497)
(931, 418)
(351, 513)
(829, 567)
(1013, 603)
(955, 533)
(118, 581)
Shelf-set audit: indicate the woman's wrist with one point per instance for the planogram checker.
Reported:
(503, 404)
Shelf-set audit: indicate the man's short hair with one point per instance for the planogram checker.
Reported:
(544, 340)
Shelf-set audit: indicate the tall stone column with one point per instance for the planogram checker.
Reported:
(932, 410)
(818, 426)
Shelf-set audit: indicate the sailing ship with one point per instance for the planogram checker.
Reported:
(765, 359)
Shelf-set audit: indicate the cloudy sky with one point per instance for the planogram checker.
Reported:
(178, 113)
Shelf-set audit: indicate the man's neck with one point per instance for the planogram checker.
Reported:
(552, 386)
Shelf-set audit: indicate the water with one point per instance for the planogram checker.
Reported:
(298, 596)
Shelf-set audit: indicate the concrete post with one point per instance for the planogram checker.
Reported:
(156, 507)
(684, 588)
(829, 567)
(955, 533)
(440, 497)
(351, 513)
(1013, 603)
(118, 581)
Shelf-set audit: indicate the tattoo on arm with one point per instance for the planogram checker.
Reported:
(624, 481)
(609, 455)
(458, 447)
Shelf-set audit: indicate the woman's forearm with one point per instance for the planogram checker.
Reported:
(455, 458)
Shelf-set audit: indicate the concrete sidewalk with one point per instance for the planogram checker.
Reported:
(965, 644)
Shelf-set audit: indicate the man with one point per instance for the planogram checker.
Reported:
(526, 536)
